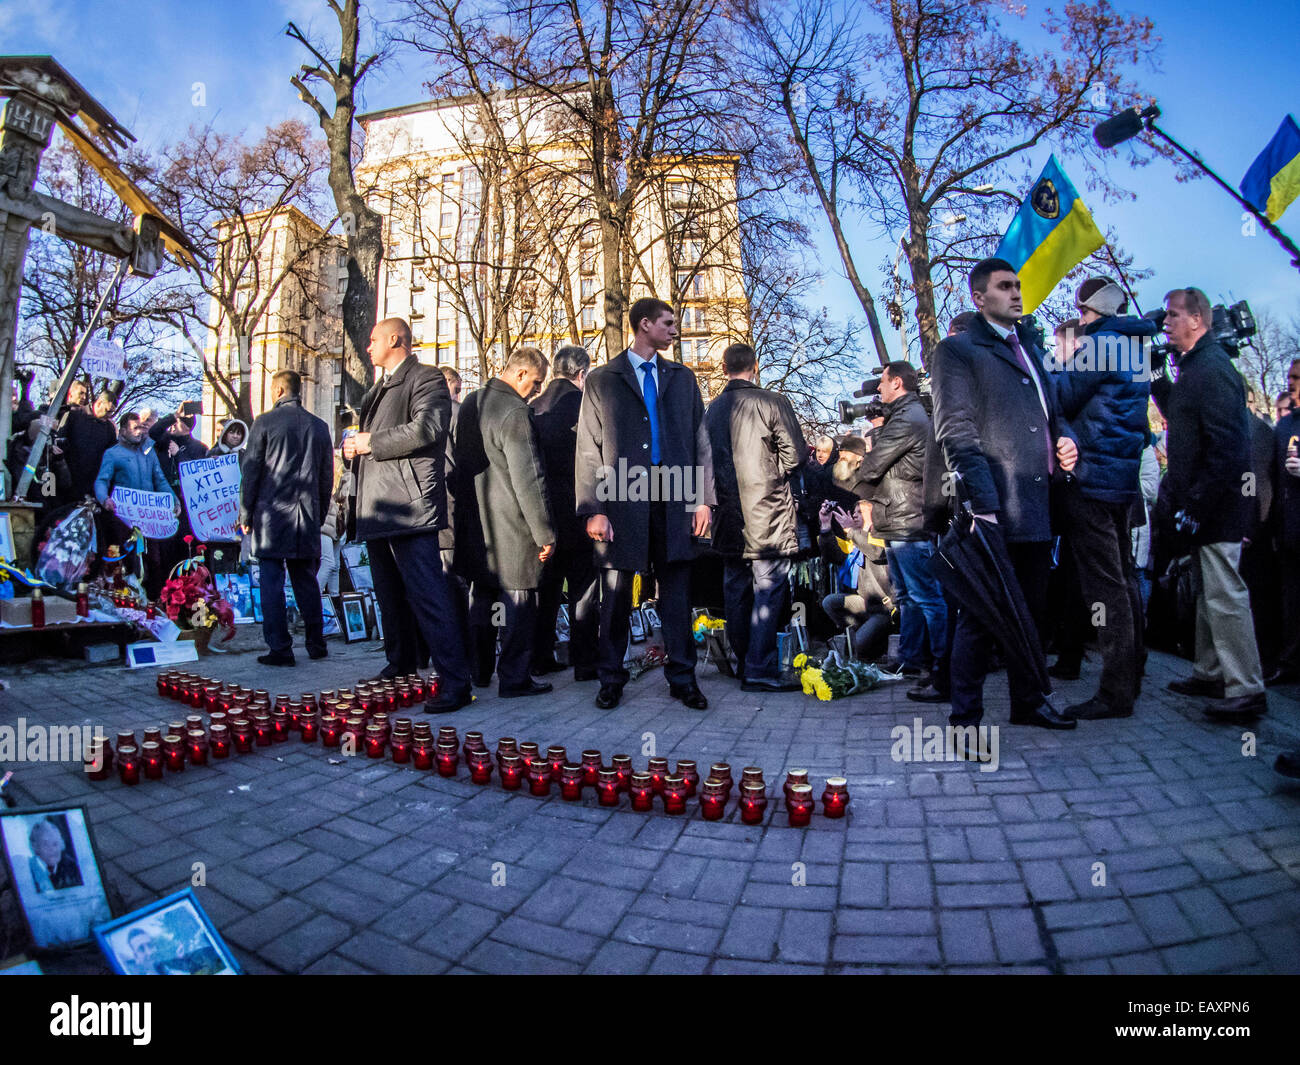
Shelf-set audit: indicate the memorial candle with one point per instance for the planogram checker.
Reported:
(571, 781)
(800, 805)
(506, 745)
(642, 790)
(622, 765)
(128, 764)
(713, 799)
(375, 741)
(793, 777)
(511, 768)
(241, 731)
(835, 799)
(539, 775)
(607, 787)
(309, 725)
(219, 740)
(331, 730)
(279, 725)
(480, 766)
(753, 802)
(98, 758)
(687, 770)
(399, 743)
(152, 757)
(658, 770)
(174, 752)
(558, 758)
(448, 755)
(722, 771)
(197, 746)
(674, 793)
(591, 765)
(422, 751)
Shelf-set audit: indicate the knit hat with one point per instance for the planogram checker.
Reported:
(1105, 298)
(854, 445)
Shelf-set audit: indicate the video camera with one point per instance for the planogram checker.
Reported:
(1232, 327)
(850, 412)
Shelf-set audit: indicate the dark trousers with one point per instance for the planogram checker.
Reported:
(757, 596)
(673, 581)
(1262, 571)
(923, 613)
(410, 584)
(306, 592)
(512, 613)
(1289, 566)
(575, 568)
(1100, 535)
(973, 643)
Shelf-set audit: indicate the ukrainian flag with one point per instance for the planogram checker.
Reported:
(1273, 179)
(1051, 234)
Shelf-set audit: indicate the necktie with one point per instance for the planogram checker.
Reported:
(1019, 353)
(651, 393)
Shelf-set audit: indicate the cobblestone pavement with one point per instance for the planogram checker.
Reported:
(366, 866)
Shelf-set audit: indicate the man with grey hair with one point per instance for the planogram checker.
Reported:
(1209, 459)
(555, 413)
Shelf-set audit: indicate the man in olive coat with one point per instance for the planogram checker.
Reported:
(644, 481)
(399, 504)
(503, 541)
(288, 477)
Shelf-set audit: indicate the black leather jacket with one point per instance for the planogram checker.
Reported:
(895, 468)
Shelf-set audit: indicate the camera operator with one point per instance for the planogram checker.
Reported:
(893, 472)
(1209, 458)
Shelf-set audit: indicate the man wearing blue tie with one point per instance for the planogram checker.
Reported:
(644, 482)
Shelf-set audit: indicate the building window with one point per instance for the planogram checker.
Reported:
(690, 284)
(693, 320)
(588, 289)
(588, 317)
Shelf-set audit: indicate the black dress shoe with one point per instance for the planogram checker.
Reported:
(690, 695)
(276, 660)
(1044, 717)
(608, 696)
(1240, 709)
(895, 665)
(546, 666)
(522, 693)
(1197, 686)
(584, 675)
(316, 656)
(1282, 676)
(1288, 764)
(770, 684)
(1065, 668)
(1095, 709)
(448, 704)
(926, 693)
(481, 680)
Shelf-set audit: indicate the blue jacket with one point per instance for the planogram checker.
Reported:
(124, 466)
(1102, 395)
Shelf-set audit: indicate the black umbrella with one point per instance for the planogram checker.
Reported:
(972, 564)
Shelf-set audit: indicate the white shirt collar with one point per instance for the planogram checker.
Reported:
(1001, 330)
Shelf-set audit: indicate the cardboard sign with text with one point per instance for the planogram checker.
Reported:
(153, 513)
(103, 358)
(211, 491)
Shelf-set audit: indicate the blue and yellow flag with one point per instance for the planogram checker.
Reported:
(1273, 179)
(1051, 234)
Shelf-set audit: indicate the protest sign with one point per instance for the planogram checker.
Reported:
(103, 358)
(152, 513)
(211, 491)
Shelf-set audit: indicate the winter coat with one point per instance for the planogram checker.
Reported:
(555, 416)
(612, 465)
(1209, 444)
(288, 477)
(1286, 488)
(85, 439)
(447, 537)
(398, 488)
(1102, 395)
(130, 466)
(873, 576)
(895, 469)
(187, 448)
(503, 519)
(758, 450)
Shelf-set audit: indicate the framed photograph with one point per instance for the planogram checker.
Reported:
(651, 616)
(354, 618)
(355, 562)
(377, 629)
(237, 590)
(562, 624)
(637, 631)
(55, 873)
(330, 615)
(170, 937)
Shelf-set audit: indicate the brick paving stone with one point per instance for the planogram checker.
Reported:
(601, 910)
(805, 936)
(887, 950)
(886, 922)
(966, 937)
(1101, 941)
(615, 958)
(751, 933)
(395, 957)
(539, 938)
(458, 931)
(862, 884)
(1221, 954)
(295, 949)
(668, 935)
(266, 924)
(1015, 936)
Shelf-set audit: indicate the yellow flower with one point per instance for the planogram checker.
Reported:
(810, 678)
(823, 691)
(800, 660)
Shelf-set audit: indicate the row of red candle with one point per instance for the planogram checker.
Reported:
(206, 693)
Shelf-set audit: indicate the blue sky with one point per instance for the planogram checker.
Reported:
(1228, 75)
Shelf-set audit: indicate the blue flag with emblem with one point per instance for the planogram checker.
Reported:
(1273, 179)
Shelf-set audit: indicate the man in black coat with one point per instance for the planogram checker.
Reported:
(288, 478)
(1209, 459)
(174, 443)
(399, 504)
(555, 414)
(994, 417)
(1285, 526)
(644, 481)
(504, 531)
(758, 450)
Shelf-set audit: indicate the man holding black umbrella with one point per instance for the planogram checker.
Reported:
(994, 415)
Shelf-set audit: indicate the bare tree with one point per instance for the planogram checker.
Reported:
(1265, 362)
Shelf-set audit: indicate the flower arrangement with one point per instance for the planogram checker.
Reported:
(191, 599)
(704, 626)
(829, 678)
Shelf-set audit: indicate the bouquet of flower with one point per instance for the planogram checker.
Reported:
(191, 599)
(829, 678)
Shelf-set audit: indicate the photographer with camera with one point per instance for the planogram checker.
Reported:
(1209, 459)
(892, 473)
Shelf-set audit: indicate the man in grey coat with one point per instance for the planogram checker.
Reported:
(288, 477)
(505, 532)
(644, 480)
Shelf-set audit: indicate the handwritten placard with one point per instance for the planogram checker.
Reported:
(153, 513)
(211, 491)
(103, 358)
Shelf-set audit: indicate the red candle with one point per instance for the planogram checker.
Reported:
(354, 728)
(263, 729)
(375, 741)
(642, 791)
(793, 777)
(400, 744)
(279, 725)
(571, 781)
(658, 770)
(241, 729)
(674, 793)
(197, 746)
(99, 758)
(800, 804)
(295, 714)
(433, 686)
(721, 771)
(211, 697)
(422, 749)
(539, 775)
(309, 725)
(558, 758)
(448, 755)
(480, 767)
(835, 799)
(622, 764)
(753, 802)
(174, 752)
(473, 742)
(607, 787)
(447, 734)
(751, 774)
(331, 730)
(219, 740)
(528, 752)
(688, 772)
(511, 768)
(591, 765)
(162, 681)
(127, 739)
(713, 799)
(282, 702)
(506, 745)
(217, 717)
(309, 701)
(128, 764)
(151, 755)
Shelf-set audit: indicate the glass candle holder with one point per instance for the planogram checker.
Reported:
(375, 741)
(658, 770)
(447, 734)
(309, 725)
(572, 779)
(674, 793)
(175, 728)
(279, 725)
(194, 721)
(174, 752)
(241, 732)
(753, 802)
(219, 740)
(835, 799)
(687, 770)
(558, 758)
(511, 768)
(722, 771)
(282, 702)
(127, 739)
(98, 758)
(448, 754)
(400, 746)
(480, 766)
(211, 697)
(260, 694)
(404, 724)
(713, 799)
(218, 717)
(152, 758)
(506, 745)
(295, 714)
(528, 752)
(642, 790)
(607, 787)
(422, 752)
(591, 766)
(196, 746)
(751, 774)
(153, 735)
(800, 805)
(539, 775)
(162, 681)
(622, 765)
(309, 702)
(433, 686)
(420, 732)
(405, 695)
(354, 730)
(263, 729)
(381, 719)
(331, 730)
(128, 763)
(793, 777)
(473, 742)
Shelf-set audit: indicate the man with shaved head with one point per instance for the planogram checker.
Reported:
(399, 504)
